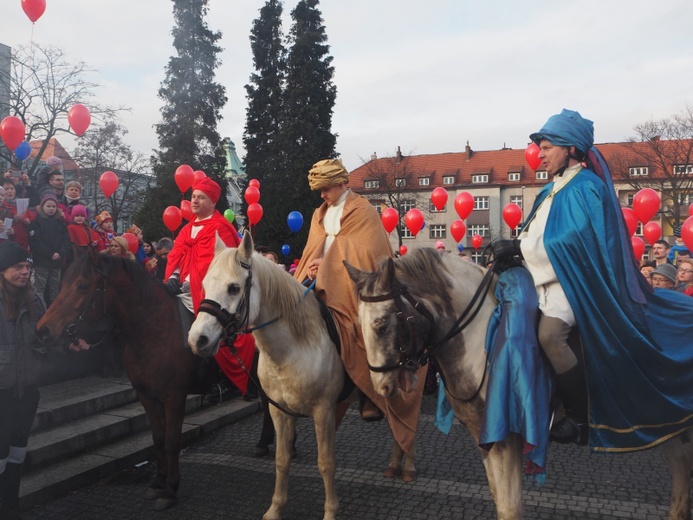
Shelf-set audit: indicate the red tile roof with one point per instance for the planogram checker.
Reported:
(53, 148)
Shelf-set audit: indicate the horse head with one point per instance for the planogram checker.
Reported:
(226, 309)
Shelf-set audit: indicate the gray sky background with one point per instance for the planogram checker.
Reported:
(423, 75)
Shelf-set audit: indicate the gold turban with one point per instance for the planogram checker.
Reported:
(327, 173)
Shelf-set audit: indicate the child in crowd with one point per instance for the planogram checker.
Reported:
(81, 235)
(140, 255)
(50, 246)
(104, 228)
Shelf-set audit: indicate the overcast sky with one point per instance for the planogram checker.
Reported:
(425, 75)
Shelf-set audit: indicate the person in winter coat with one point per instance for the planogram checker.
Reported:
(20, 309)
(81, 235)
(50, 244)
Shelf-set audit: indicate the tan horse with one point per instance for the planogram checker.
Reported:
(442, 286)
(299, 365)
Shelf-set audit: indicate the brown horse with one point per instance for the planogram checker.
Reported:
(146, 320)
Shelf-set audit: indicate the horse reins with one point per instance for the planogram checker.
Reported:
(413, 358)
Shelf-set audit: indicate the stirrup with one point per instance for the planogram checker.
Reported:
(569, 431)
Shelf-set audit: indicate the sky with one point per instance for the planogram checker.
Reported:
(424, 76)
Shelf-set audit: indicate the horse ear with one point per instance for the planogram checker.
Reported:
(389, 273)
(246, 248)
(359, 277)
(219, 245)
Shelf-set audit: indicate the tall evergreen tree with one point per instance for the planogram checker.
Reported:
(305, 136)
(192, 108)
(264, 156)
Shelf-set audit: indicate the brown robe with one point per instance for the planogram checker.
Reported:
(362, 242)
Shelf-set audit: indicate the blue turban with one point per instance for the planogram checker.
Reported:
(568, 128)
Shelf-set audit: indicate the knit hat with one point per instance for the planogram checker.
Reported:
(48, 196)
(666, 270)
(209, 188)
(327, 173)
(440, 245)
(54, 162)
(78, 211)
(103, 217)
(12, 253)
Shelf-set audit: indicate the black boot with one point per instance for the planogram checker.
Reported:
(9, 491)
(573, 427)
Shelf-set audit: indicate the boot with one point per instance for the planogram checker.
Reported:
(573, 427)
(369, 411)
(9, 491)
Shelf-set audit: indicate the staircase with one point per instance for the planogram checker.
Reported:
(92, 427)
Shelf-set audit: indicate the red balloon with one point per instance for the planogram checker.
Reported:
(12, 132)
(186, 210)
(631, 220)
(477, 240)
(255, 183)
(108, 183)
(464, 204)
(79, 118)
(439, 197)
(403, 250)
(184, 177)
(646, 204)
(690, 210)
(414, 220)
(172, 217)
(687, 233)
(512, 215)
(638, 247)
(389, 218)
(457, 229)
(133, 243)
(198, 175)
(532, 156)
(252, 195)
(254, 213)
(34, 8)
(652, 232)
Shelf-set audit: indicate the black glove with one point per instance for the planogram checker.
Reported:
(504, 249)
(173, 285)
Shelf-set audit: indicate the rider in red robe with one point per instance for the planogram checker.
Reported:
(189, 260)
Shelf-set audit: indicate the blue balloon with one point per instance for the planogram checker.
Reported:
(460, 247)
(23, 150)
(286, 250)
(423, 224)
(295, 221)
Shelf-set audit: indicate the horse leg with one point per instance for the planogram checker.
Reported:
(503, 465)
(155, 414)
(679, 456)
(285, 426)
(394, 467)
(325, 433)
(409, 469)
(175, 410)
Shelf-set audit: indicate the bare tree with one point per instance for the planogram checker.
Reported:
(394, 178)
(43, 85)
(102, 149)
(665, 147)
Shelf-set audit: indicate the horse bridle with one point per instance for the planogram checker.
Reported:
(72, 330)
(412, 357)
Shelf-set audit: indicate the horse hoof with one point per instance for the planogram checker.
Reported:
(164, 503)
(393, 472)
(408, 476)
(153, 493)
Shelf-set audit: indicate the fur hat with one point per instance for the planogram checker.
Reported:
(666, 270)
(78, 211)
(12, 253)
(103, 217)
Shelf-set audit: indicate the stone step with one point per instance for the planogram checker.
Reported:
(46, 482)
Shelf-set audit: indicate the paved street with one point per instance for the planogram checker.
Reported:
(221, 480)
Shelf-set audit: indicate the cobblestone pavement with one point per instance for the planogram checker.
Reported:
(221, 480)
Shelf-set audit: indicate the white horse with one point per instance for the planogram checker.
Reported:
(299, 365)
(431, 291)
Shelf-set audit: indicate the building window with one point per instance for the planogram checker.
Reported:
(516, 199)
(406, 205)
(631, 196)
(433, 209)
(372, 185)
(640, 229)
(683, 169)
(400, 182)
(481, 202)
(514, 176)
(542, 176)
(478, 257)
(638, 171)
(448, 180)
(480, 179)
(406, 233)
(437, 231)
(378, 206)
(424, 181)
(477, 229)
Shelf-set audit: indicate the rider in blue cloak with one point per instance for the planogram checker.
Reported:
(622, 353)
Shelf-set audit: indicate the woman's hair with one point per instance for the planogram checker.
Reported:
(121, 242)
(15, 300)
(73, 184)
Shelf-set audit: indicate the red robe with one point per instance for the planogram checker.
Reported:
(192, 256)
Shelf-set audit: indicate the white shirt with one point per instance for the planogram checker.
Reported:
(552, 298)
(332, 221)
